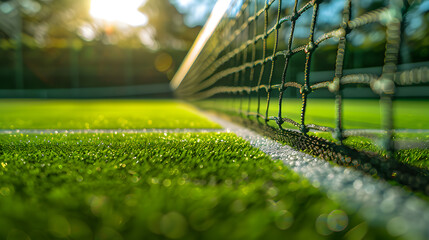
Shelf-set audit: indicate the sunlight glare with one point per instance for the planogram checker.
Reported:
(119, 11)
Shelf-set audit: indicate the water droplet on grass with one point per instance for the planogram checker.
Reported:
(79, 178)
(272, 192)
(167, 183)
(5, 191)
(337, 220)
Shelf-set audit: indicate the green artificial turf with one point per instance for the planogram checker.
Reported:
(357, 113)
(156, 186)
(99, 114)
(414, 156)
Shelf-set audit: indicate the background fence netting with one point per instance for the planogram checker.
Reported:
(273, 65)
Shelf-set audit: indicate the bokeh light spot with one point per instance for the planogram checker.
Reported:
(284, 220)
(337, 220)
(163, 62)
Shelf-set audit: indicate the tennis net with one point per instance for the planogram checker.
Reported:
(253, 56)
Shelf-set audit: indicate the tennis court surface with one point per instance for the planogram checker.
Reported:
(186, 178)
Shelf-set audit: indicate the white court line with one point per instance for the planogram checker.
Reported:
(380, 203)
(149, 130)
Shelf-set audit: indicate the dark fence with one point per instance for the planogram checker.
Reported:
(95, 66)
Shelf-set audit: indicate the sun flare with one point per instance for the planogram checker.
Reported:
(122, 11)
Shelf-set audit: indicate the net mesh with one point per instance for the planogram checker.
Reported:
(249, 66)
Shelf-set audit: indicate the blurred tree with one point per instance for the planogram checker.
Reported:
(166, 26)
(42, 22)
(53, 23)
